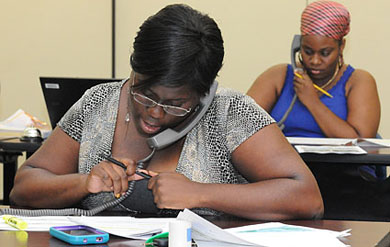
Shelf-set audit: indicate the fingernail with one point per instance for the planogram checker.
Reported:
(117, 195)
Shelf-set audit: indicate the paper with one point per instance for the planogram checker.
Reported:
(277, 234)
(127, 227)
(371, 142)
(123, 226)
(362, 142)
(272, 234)
(20, 120)
(317, 141)
(204, 230)
(330, 149)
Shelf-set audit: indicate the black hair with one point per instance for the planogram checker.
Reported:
(178, 46)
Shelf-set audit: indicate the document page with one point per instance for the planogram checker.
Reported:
(362, 142)
(273, 234)
(330, 149)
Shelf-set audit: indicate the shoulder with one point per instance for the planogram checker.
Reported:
(362, 75)
(276, 72)
(230, 103)
(234, 117)
(361, 79)
(105, 88)
(271, 79)
(101, 93)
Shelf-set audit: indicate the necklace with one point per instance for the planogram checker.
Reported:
(127, 118)
(331, 79)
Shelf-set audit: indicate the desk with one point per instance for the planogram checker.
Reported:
(345, 193)
(10, 150)
(374, 156)
(10, 165)
(364, 233)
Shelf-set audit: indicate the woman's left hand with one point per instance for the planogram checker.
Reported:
(174, 191)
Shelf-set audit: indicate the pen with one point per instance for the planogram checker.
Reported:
(118, 163)
(316, 87)
(15, 222)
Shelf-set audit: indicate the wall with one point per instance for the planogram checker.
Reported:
(49, 38)
(73, 38)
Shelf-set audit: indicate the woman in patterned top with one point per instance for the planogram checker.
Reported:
(235, 149)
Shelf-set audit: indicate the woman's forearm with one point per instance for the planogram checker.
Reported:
(275, 199)
(47, 190)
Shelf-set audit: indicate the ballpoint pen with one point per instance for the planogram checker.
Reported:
(118, 163)
(316, 87)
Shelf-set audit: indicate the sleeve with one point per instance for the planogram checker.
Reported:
(244, 118)
(73, 121)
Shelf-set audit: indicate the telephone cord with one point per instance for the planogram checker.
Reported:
(77, 211)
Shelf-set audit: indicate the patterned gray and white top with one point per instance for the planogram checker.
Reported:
(206, 155)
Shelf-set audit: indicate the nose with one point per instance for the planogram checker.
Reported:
(156, 111)
(315, 59)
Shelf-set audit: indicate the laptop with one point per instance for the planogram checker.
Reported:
(61, 93)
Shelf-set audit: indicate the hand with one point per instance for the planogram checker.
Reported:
(107, 176)
(174, 191)
(304, 88)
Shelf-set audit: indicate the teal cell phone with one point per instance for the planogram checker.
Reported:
(79, 235)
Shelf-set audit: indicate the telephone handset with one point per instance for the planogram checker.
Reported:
(157, 142)
(295, 47)
(169, 136)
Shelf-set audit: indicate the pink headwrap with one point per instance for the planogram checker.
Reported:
(325, 18)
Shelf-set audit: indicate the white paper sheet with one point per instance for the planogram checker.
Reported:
(128, 227)
(272, 234)
(330, 149)
(362, 142)
(20, 120)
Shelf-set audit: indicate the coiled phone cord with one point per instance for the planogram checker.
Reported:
(77, 211)
(285, 115)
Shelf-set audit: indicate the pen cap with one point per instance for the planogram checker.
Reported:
(179, 234)
(15, 222)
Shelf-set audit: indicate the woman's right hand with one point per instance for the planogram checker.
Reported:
(304, 88)
(107, 176)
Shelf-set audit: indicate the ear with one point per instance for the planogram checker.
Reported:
(342, 46)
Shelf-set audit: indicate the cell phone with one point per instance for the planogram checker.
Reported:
(79, 234)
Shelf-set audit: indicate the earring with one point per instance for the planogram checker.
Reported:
(341, 60)
(300, 57)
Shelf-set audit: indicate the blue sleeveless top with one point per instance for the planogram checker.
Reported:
(300, 122)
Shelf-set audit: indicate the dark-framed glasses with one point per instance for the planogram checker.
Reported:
(148, 102)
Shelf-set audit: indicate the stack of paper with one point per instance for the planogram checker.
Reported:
(20, 120)
(336, 145)
(207, 234)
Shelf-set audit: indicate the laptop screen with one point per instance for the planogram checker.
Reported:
(61, 93)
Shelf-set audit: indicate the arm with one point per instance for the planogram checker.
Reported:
(50, 178)
(363, 107)
(281, 186)
(268, 86)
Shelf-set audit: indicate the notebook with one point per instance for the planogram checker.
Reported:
(61, 93)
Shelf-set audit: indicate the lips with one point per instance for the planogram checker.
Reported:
(149, 128)
(315, 71)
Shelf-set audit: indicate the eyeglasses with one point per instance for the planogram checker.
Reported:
(146, 101)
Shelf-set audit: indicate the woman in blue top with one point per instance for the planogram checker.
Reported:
(352, 110)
